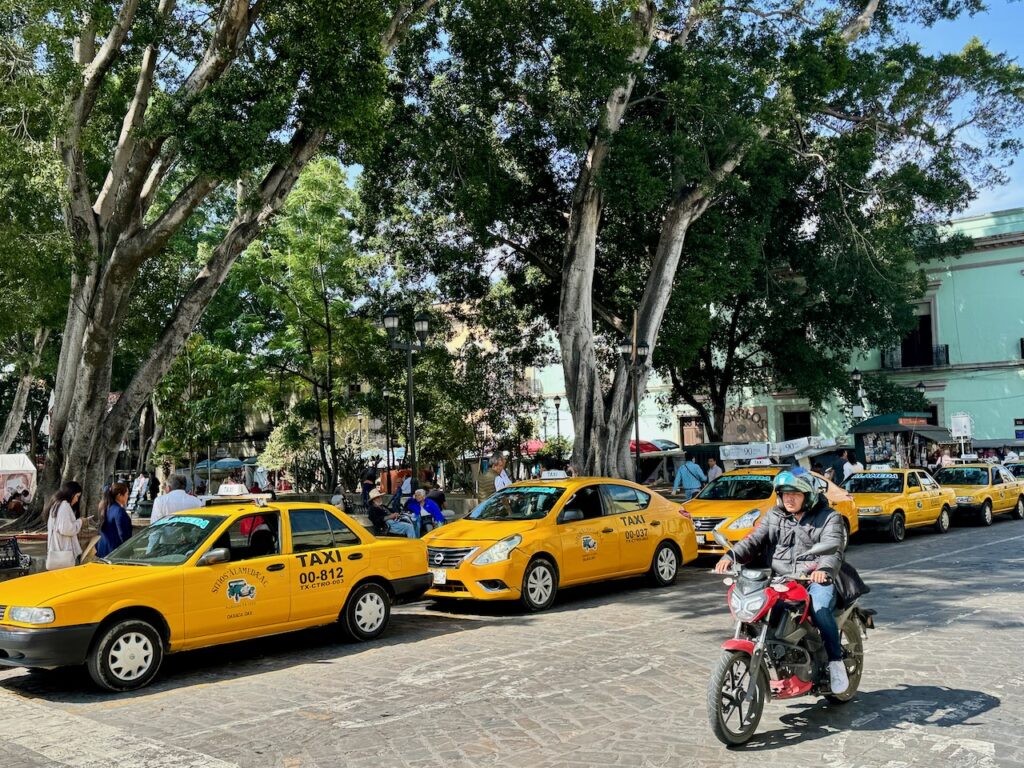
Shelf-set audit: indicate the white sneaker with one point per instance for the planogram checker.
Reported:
(837, 675)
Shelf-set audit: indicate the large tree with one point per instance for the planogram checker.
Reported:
(574, 144)
(170, 110)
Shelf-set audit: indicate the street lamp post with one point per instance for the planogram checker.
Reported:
(920, 388)
(558, 422)
(421, 324)
(359, 432)
(387, 435)
(858, 408)
(634, 355)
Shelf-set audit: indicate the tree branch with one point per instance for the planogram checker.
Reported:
(404, 18)
(99, 66)
(862, 23)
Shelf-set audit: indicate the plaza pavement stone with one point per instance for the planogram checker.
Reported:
(614, 675)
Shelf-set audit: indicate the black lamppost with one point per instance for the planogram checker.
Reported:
(421, 324)
(634, 355)
(387, 434)
(359, 434)
(558, 423)
(920, 388)
(858, 407)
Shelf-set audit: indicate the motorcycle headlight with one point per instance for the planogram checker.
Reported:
(30, 615)
(746, 520)
(870, 510)
(500, 551)
(746, 607)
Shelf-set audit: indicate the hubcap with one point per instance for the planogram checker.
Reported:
(736, 711)
(944, 520)
(1020, 508)
(130, 656)
(539, 585)
(370, 612)
(666, 564)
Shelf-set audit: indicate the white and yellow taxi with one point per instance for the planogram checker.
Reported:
(893, 500)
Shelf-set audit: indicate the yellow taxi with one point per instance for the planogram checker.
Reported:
(531, 538)
(984, 490)
(736, 501)
(893, 500)
(208, 576)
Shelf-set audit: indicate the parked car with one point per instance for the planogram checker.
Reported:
(984, 490)
(894, 500)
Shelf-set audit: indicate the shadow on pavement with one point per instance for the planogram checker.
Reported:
(929, 706)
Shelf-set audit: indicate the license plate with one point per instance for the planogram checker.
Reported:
(703, 538)
(440, 576)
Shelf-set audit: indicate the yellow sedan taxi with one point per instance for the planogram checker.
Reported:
(735, 502)
(893, 500)
(984, 490)
(205, 577)
(530, 539)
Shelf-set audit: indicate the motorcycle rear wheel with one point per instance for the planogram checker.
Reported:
(852, 638)
(733, 720)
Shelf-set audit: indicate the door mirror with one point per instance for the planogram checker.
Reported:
(823, 548)
(571, 515)
(721, 540)
(214, 556)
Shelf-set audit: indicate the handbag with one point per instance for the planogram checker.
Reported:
(849, 584)
(57, 560)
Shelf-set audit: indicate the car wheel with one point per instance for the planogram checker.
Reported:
(897, 527)
(1018, 510)
(943, 521)
(846, 533)
(664, 565)
(985, 516)
(366, 614)
(540, 585)
(126, 656)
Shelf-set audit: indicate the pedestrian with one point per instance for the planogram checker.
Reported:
(175, 500)
(62, 528)
(714, 471)
(852, 465)
(426, 514)
(690, 477)
(436, 494)
(114, 524)
(1010, 456)
(946, 460)
(494, 479)
(383, 520)
(369, 482)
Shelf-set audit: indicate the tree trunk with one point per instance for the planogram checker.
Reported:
(16, 417)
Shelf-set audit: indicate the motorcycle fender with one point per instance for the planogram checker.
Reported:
(747, 646)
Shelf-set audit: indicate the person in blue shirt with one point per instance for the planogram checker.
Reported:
(114, 524)
(424, 510)
(690, 477)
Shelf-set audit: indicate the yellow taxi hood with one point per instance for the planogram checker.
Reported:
(730, 509)
(966, 490)
(459, 532)
(39, 589)
(874, 499)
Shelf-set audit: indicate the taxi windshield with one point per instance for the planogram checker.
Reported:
(962, 476)
(169, 541)
(1017, 470)
(738, 488)
(883, 482)
(519, 503)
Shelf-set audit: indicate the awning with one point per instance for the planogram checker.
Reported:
(1007, 442)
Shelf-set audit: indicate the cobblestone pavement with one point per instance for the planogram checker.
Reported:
(615, 675)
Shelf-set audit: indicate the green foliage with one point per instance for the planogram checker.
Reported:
(557, 448)
(883, 395)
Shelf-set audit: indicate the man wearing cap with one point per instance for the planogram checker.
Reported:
(380, 517)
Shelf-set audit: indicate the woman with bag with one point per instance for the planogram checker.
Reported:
(114, 524)
(62, 528)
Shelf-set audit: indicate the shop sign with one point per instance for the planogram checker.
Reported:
(913, 421)
(748, 451)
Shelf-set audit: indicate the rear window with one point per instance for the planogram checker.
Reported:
(738, 488)
(622, 498)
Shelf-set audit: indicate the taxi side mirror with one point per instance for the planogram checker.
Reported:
(570, 516)
(214, 556)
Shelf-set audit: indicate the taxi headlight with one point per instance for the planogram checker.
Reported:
(746, 520)
(500, 551)
(746, 607)
(870, 510)
(30, 615)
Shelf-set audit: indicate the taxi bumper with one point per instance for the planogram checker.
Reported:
(45, 646)
(411, 588)
(498, 581)
(875, 520)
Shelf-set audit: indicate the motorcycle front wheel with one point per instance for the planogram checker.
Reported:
(852, 638)
(733, 718)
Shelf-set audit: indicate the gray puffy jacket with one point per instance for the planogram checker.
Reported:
(784, 541)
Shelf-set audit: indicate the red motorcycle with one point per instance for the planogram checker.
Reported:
(777, 652)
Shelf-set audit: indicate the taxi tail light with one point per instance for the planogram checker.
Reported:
(683, 511)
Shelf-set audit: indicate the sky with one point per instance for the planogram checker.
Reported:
(1000, 28)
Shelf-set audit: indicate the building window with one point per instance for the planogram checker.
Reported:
(796, 424)
(691, 430)
(918, 347)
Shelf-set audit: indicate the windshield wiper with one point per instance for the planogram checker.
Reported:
(103, 560)
(129, 562)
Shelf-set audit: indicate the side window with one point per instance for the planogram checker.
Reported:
(343, 535)
(622, 498)
(912, 482)
(997, 479)
(252, 536)
(310, 530)
(820, 483)
(588, 501)
(927, 482)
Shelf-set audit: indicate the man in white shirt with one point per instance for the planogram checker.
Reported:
(851, 466)
(1011, 456)
(714, 471)
(502, 480)
(175, 501)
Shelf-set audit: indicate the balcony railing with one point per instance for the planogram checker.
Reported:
(893, 358)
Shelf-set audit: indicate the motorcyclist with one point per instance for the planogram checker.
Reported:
(801, 519)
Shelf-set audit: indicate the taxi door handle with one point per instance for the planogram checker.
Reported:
(607, 530)
(655, 522)
(276, 567)
(356, 556)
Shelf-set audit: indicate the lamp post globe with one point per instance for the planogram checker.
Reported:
(642, 350)
(421, 324)
(626, 348)
(391, 322)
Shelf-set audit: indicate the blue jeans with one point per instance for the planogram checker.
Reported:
(403, 529)
(823, 601)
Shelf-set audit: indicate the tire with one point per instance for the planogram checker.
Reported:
(126, 655)
(366, 614)
(1017, 513)
(664, 565)
(852, 638)
(985, 515)
(944, 520)
(846, 534)
(897, 527)
(732, 721)
(540, 585)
